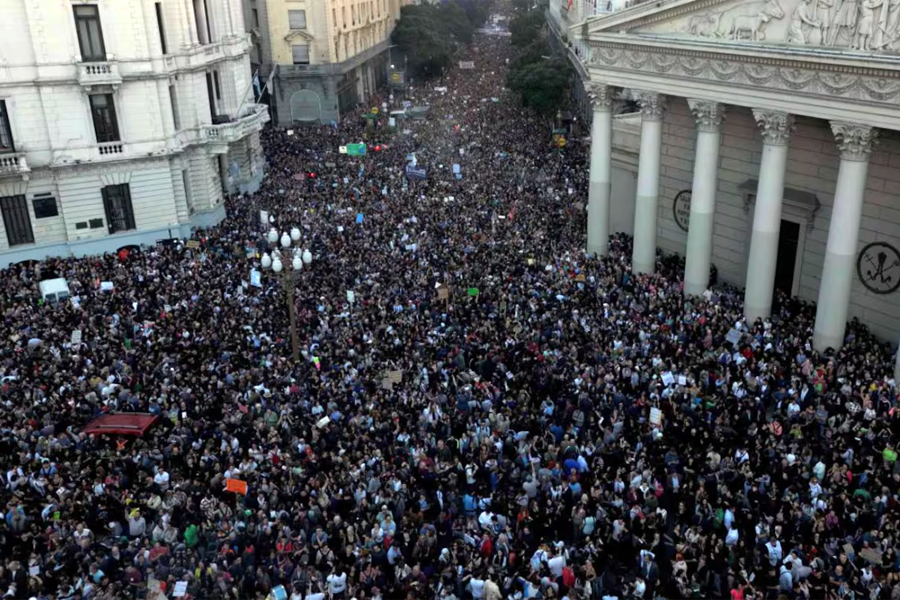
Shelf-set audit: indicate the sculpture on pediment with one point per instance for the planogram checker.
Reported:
(891, 20)
(803, 19)
(706, 24)
(845, 18)
(867, 25)
(754, 26)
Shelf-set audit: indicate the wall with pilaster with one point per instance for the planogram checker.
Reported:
(812, 166)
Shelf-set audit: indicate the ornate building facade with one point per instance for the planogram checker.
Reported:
(121, 122)
(325, 56)
(768, 147)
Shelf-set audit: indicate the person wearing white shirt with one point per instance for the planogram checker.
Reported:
(161, 479)
(337, 583)
(731, 538)
(557, 564)
(476, 587)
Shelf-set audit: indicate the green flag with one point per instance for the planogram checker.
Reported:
(473, 291)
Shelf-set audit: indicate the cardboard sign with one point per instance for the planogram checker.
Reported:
(656, 416)
(194, 244)
(395, 376)
(76, 337)
(237, 486)
(443, 293)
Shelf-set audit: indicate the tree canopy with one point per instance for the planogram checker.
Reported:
(542, 84)
(428, 34)
(526, 28)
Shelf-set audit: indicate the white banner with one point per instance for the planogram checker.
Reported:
(466, 64)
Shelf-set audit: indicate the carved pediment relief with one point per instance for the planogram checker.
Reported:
(858, 25)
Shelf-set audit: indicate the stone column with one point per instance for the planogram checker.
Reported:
(643, 257)
(855, 143)
(776, 131)
(600, 188)
(709, 117)
(897, 366)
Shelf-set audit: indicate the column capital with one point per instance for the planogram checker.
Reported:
(854, 141)
(653, 105)
(600, 95)
(775, 126)
(708, 114)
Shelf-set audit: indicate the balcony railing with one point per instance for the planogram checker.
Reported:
(13, 164)
(99, 73)
(110, 148)
(252, 119)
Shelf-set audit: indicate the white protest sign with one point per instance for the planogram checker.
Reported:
(180, 589)
(76, 337)
(656, 416)
(106, 286)
(290, 132)
(668, 378)
(351, 297)
(255, 278)
(264, 217)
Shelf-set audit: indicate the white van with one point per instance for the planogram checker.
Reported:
(54, 290)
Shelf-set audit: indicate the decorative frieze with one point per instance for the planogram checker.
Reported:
(826, 79)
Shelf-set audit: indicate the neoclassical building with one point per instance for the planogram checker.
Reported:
(766, 144)
(121, 122)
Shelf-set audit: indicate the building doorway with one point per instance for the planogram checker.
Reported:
(786, 265)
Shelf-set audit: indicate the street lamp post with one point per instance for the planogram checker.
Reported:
(275, 262)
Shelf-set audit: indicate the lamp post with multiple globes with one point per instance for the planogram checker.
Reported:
(295, 259)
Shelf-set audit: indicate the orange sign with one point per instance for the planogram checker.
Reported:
(237, 486)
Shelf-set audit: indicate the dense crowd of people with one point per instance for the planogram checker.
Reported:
(553, 427)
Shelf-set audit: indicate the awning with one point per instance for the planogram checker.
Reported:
(121, 424)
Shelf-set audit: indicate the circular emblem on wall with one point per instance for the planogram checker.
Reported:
(681, 208)
(878, 267)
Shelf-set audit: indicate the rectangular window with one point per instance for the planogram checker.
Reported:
(96, 223)
(16, 220)
(200, 21)
(117, 202)
(297, 19)
(216, 85)
(81, 225)
(176, 118)
(103, 111)
(90, 33)
(6, 139)
(212, 98)
(161, 27)
(300, 54)
(44, 206)
(255, 18)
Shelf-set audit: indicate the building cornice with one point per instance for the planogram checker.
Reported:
(871, 82)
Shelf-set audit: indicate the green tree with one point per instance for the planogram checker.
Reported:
(425, 38)
(532, 53)
(543, 84)
(522, 4)
(526, 28)
(457, 22)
